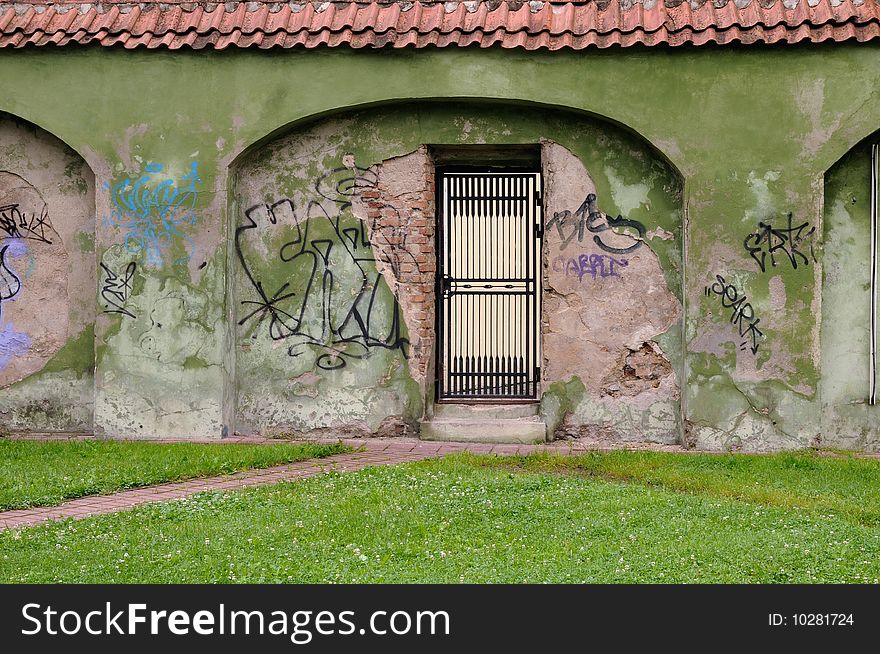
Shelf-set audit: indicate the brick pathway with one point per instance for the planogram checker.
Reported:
(370, 452)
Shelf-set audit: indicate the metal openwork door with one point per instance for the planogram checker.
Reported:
(489, 285)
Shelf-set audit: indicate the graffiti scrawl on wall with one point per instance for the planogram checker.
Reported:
(594, 266)
(12, 343)
(328, 296)
(10, 284)
(23, 212)
(24, 222)
(115, 289)
(153, 211)
(787, 242)
(587, 218)
(743, 314)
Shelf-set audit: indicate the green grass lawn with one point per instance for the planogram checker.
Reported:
(846, 485)
(34, 473)
(476, 519)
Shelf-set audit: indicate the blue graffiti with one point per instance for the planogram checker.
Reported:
(152, 210)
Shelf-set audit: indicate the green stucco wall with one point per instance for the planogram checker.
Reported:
(750, 131)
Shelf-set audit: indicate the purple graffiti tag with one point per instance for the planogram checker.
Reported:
(597, 266)
(17, 248)
(10, 283)
(12, 344)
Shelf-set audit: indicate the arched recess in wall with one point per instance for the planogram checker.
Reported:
(849, 308)
(334, 270)
(47, 282)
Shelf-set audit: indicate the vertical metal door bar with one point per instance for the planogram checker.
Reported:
(527, 225)
(873, 348)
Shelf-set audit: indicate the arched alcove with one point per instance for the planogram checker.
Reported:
(849, 419)
(334, 269)
(47, 282)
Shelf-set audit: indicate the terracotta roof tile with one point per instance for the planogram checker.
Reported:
(533, 25)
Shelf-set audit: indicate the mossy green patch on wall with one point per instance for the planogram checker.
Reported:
(77, 355)
(144, 385)
(86, 241)
(559, 400)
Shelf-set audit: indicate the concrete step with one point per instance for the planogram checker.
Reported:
(507, 430)
(485, 411)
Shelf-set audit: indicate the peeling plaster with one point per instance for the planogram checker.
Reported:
(627, 197)
(764, 203)
(593, 325)
(777, 294)
(371, 391)
(405, 182)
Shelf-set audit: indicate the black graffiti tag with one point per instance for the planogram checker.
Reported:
(323, 264)
(767, 241)
(587, 217)
(743, 315)
(24, 218)
(16, 224)
(116, 289)
(10, 284)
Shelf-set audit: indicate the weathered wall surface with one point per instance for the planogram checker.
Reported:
(336, 257)
(753, 333)
(401, 219)
(160, 334)
(847, 419)
(321, 341)
(751, 133)
(47, 281)
(608, 310)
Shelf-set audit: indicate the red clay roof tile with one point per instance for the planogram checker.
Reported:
(531, 25)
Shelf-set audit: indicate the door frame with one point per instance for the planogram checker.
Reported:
(499, 167)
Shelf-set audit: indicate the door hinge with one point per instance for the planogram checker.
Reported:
(539, 200)
(539, 230)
